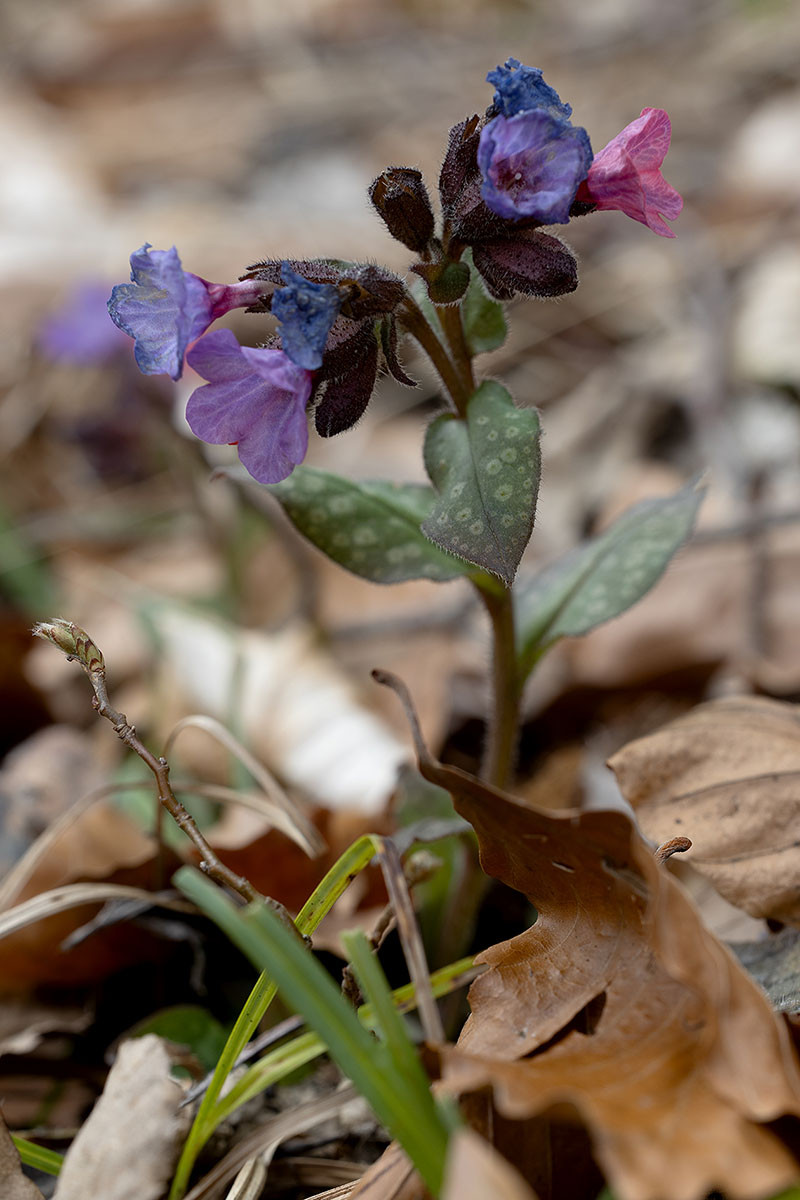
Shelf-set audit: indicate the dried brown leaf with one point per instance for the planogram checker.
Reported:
(127, 1147)
(392, 1177)
(14, 1185)
(727, 775)
(475, 1170)
(667, 1050)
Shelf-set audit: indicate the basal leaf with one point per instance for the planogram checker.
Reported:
(371, 529)
(484, 322)
(605, 576)
(486, 470)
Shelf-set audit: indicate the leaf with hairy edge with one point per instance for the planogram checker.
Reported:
(486, 470)
(605, 576)
(371, 529)
(484, 321)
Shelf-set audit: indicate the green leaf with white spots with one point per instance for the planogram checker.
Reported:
(486, 471)
(605, 576)
(371, 529)
(484, 321)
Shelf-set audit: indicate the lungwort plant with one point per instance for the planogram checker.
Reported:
(507, 176)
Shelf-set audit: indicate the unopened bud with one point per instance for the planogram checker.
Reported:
(401, 198)
(533, 263)
(74, 641)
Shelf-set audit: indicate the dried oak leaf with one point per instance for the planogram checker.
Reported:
(727, 775)
(619, 1003)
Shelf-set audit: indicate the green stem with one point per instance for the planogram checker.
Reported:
(414, 320)
(501, 739)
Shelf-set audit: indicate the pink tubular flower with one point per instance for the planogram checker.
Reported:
(626, 174)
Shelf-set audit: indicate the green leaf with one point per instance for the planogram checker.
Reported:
(486, 470)
(371, 529)
(484, 321)
(605, 576)
(187, 1025)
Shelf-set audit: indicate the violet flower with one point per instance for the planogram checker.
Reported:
(519, 89)
(81, 331)
(532, 164)
(255, 399)
(164, 309)
(306, 311)
(626, 175)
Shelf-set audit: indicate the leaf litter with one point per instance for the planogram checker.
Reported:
(619, 1003)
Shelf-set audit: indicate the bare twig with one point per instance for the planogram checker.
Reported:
(77, 645)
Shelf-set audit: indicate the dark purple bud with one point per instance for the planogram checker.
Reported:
(470, 218)
(345, 399)
(447, 281)
(373, 291)
(316, 270)
(460, 162)
(349, 343)
(533, 263)
(389, 347)
(402, 201)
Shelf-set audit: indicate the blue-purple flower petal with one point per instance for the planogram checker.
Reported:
(532, 165)
(163, 309)
(306, 311)
(255, 398)
(81, 331)
(519, 88)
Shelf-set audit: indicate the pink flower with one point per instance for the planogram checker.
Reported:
(626, 174)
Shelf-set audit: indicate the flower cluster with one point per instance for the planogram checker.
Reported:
(523, 165)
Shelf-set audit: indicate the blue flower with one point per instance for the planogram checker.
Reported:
(80, 331)
(532, 164)
(164, 309)
(306, 311)
(519, 89)
(255, 399)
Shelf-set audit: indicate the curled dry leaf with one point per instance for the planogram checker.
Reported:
(621, 1004)
(392, 1177)
(727, 775)
(127, 1147)
(14, 1184)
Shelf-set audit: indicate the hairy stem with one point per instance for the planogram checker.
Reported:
(414, 321)
(502, 733)
(450, 319)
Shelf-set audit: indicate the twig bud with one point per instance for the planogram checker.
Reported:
(74, 641)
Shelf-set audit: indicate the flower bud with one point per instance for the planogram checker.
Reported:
(74, 642)
(533, 263)
(345, 399)
(401, 199)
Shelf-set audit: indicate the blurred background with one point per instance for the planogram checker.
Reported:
(244, 130)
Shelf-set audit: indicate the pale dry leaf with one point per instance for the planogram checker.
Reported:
(127, 1147)
(475, 1171)
(297, 710)
(668, 1052)
(14, 1184)
(392, 1177)
(726, 775)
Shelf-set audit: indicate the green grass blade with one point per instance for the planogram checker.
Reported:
(320, 902)
(39, 1157)
(407, 1110)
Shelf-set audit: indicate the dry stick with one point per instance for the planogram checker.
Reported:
(77, 645)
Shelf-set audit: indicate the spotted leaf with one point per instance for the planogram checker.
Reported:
(605, 576)
(371, 529)
(486, 471)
